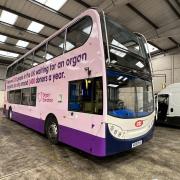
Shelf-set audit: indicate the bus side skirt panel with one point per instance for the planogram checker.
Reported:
(28, 121)
(84, 141)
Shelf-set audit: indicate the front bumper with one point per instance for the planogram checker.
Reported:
(114, 145)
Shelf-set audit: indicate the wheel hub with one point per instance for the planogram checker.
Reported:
(53, 131)
(10, 114)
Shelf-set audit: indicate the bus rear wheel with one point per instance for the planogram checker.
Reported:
(10, 114)
(52, 131)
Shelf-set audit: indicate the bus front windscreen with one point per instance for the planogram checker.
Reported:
(129, 81)
(126, 49)
(128, 96)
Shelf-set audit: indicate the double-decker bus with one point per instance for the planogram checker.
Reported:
(89, 85)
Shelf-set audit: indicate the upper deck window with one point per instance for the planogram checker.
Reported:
(122, 38)
(39, 55)
(18, 68)
(27, 62)
(55, 46)
(78, 33)
(127, 50)
(9, 72)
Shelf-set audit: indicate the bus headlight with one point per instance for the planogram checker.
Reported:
(116, 131)
(151, 124)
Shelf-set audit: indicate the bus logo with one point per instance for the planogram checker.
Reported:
(44, 97)
(139, 123)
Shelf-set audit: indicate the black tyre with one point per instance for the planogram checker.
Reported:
(10, 114)
(52, 131)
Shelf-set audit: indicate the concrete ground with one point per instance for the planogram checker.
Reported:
(25, 154)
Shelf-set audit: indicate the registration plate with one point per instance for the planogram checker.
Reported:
(137, 143)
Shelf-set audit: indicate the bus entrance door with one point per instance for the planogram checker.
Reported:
(86, 111)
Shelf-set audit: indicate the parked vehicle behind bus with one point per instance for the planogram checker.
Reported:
(89, 85)
(169, 105)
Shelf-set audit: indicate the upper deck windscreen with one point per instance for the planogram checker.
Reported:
(126, 49)
(122, 38)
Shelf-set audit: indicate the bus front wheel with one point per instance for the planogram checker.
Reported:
(52, 131)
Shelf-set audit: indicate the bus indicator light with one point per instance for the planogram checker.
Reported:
(139, 123)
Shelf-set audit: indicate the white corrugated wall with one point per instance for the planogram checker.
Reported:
(168, 65)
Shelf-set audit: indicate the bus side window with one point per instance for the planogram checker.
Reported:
(27, 62)
(14, 69)
(33, 96)
(17, 96)
(86, 96)
(74, 96)
(19, 67)
(55, 46)
(39, 55)
(25, 97)
(78, 33)
(11, 97)
(9, 72)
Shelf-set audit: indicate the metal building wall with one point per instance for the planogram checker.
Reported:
(166, 67)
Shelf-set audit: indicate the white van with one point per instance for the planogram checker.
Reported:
(168, 101)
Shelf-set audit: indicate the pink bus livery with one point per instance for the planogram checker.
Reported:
(89, 85)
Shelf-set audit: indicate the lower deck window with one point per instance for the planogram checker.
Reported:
(33, 96)
(86, 96)
(17, 96)
(26, 96)
(10, 96)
